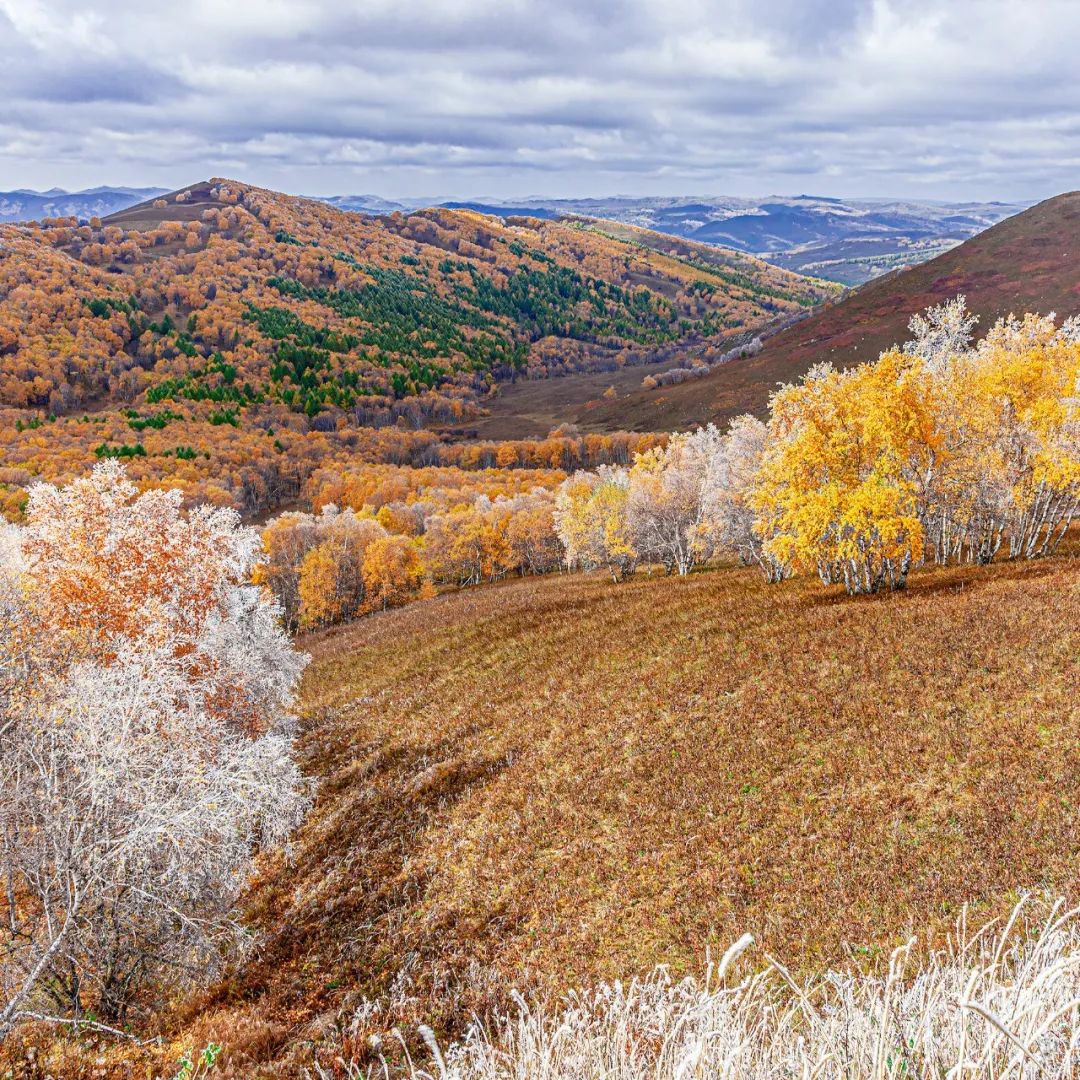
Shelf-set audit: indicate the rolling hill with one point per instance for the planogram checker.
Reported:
(849, 241)
(1029, 262)
(222, 335)
(499, 807)
(844, 240)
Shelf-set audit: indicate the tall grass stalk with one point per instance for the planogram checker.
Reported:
(997, 1003)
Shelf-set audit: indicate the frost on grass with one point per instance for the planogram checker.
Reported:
(1000, 1002)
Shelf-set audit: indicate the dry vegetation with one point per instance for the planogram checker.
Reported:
(998, 1002)
(561, 780)
(558, 781)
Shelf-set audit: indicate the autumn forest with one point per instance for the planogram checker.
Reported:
(340, 740)
(230, 340)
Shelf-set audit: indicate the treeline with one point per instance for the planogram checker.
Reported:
(261, 467)
(702, 365)
(338, 564)
(939, 451)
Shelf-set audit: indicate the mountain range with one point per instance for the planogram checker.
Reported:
(1027, 263)
(24, 204)
(848, 241)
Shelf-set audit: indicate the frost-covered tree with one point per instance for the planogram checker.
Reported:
(1017, 438)
(147, 753)
(590, 519)
(944, 450)
(670, 491)
(941, 333)
(731, 520)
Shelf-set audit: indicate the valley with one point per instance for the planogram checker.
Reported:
(539, 541)
(244, 336)
(594, 689)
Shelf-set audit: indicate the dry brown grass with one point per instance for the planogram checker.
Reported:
(998, 1003)
(577, 781)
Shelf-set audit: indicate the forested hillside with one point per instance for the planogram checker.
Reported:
(227, 337)
(491, 804)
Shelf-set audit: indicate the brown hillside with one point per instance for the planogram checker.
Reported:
(1030, 262)
(564, 779)
(149, 215)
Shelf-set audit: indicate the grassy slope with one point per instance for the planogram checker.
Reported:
(583, 780)
(1026, 263)
(531, 408)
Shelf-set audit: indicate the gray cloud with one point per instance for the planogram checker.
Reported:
(974, 99)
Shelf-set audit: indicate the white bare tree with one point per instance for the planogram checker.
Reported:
(670, 489)
(732, 520)
(147, 753)
(941, 333)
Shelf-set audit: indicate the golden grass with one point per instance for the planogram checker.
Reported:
(559, 780)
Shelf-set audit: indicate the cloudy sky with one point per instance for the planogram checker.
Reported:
(966, 99)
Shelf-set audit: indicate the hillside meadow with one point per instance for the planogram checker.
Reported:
(554, 781)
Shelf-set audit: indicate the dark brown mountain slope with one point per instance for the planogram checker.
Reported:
(1030, 262)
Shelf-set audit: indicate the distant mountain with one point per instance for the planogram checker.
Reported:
(847, 241)
(372, 205)
(1029, 262)
(541, 212)
(26, 205)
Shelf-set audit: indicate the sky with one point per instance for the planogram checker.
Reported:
(950, 99)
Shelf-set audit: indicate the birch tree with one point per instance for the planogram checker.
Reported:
(669, 494)
(941, 333)
(590, 518)
(731, 518)
(834, 493)
(1004, 470)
